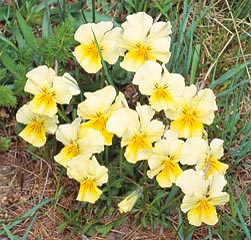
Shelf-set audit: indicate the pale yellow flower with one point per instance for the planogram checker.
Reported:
(144, 40)
(36, 126)
(128, 203)
(164, 160)
(49, 89)
(161, 86)
(136, 128)
(201, 196)
(194, 109)
(97, 108)
(87, 52)
(90, 175)
(90, 142)
(206, 157)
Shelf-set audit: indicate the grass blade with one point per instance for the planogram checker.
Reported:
(29, 213)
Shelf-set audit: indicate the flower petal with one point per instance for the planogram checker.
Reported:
(192, 182)
(68, 133)
(39, 78)
(195, 149)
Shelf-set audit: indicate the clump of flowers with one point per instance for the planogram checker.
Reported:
(167, 130)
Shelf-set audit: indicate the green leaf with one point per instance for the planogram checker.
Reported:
(196, 59)
(26, 30)
(46, 24)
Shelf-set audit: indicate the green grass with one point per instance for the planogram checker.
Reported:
(211, 46)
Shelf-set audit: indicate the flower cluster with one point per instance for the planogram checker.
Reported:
(168, 149)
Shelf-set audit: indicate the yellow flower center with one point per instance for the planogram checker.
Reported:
(71, 151)
(204, 208)
(137, 143)
(91, 51)
(188, 123)
(169, 173)
(46, 97)
(213, 164)
(140, 142)
(141, 53)
(36, 127)
(171, 167)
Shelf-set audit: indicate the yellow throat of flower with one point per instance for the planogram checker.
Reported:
(213, 164)
(88, 191)
(188, 124)
(142, 52)
(46, 97)
(91, 51)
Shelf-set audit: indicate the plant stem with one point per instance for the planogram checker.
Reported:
(93, 11)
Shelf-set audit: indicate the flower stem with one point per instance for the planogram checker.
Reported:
(145, 200)
(121, 162)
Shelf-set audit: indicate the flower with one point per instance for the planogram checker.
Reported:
(164, 159)
(201, 196)
(192, 111)
(206, 157)
(90, 175)
(36, 126)
(97, 108)
(87, 53)
(161, 87)
(127, 204)
(90, 142)
(136, 128)
(144, 40)
(49, 89)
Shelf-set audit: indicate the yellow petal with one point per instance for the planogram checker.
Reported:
(212, 165)
(187, 126)
(44, 103)
(137, 143)
(169, 174)
(161, 99)
(87, 53)
(88, 191)
(34, 133)
(88, 57)
(136, 57)
(204, 212)
(67, 154)
(99, 124)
